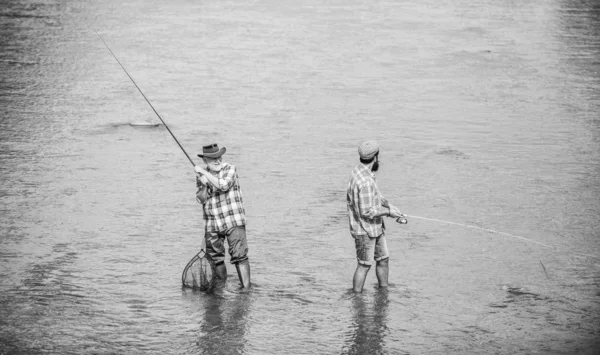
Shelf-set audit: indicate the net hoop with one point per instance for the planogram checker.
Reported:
(199, 273)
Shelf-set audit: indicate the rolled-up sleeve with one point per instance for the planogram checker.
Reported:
(365, 199)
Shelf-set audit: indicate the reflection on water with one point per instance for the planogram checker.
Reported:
(223, 323)
(369, 324)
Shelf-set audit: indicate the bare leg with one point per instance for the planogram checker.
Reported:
(243, 270)
(382, 271)
(360, 275)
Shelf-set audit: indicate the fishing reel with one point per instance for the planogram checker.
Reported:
(402, 219)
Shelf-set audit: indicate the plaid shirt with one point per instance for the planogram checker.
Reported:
(224, 207)
(361, 196)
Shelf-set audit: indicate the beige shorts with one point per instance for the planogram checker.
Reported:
(369, 249)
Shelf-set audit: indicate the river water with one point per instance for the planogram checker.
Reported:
(487, 113)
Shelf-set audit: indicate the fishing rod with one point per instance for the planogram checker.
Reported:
(148, 101)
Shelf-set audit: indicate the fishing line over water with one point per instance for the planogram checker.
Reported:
(497, 232)
(485, 229)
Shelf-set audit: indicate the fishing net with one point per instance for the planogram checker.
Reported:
(199, 273)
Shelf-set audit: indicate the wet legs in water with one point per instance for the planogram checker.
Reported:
(243, 270)
(360, 275)
(221, 271)
(382, 271)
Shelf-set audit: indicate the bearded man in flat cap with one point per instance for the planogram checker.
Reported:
(220, 194)
(366, 209)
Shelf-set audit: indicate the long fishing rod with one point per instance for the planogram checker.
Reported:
(140, 90)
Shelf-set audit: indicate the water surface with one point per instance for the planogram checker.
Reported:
(487, 115)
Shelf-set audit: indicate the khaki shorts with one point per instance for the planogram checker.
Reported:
(236, 240)
(369, 249)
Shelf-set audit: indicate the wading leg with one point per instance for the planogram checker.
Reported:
(382, 271)
(360, 275)
(221, 271)
(243, 270)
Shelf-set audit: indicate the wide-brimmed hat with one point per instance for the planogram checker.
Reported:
(368, 149)
(212, 151)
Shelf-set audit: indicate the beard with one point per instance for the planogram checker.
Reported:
(216, 169)
(211, 166)
(375, 166)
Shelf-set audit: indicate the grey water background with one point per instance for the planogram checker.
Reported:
(487, 113)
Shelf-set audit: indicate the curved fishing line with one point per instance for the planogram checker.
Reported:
(148, 101)
(484, 229)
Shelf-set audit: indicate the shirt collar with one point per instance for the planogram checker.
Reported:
(364, 171)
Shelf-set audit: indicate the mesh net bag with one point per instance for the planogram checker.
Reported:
(199, 273)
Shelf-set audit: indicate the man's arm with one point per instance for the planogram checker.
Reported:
(222, 184)
(202, 193)
(367, 207)
(395, 212)
(386, 209)
(380, 211)
(384, 202)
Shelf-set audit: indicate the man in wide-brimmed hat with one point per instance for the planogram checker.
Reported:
(220, 194)
(366, 207)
